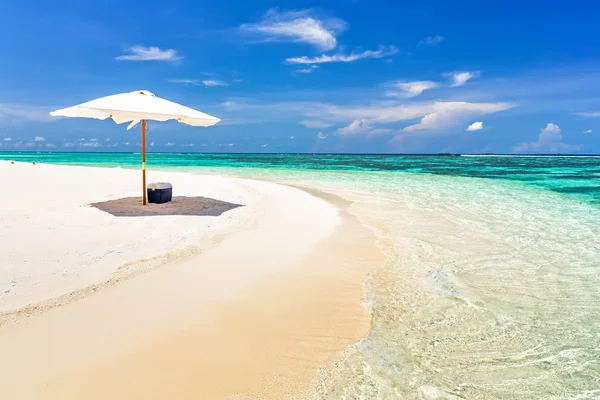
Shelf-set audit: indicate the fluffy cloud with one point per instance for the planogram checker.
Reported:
(321, 135)
(549, 141)
(411, 89)
(169, 144)
(435, 115)
(475, 126)
(460, 78)
(432, 40)
(587, 131)
(141, 53)
(39, 139)
(375, 114)
(340, 57)
(297, 26)
(7, 139)
(358, 127)
(428, 122)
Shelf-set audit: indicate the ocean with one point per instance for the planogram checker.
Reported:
(491, 288)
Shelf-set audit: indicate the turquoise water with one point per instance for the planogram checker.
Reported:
(491, 289)
(564, 174)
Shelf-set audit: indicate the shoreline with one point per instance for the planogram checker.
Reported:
(297, 316)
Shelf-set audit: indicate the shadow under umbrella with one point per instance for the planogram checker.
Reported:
(180, 205)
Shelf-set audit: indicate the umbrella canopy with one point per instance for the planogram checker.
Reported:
(136, 106)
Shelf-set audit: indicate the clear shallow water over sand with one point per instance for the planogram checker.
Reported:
(492, 284)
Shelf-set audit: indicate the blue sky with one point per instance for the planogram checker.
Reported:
(346, 76)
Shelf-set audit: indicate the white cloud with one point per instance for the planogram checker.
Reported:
(126, 143)
(297, 26)
(434, 115)
(7, 139)
(307, 70)
(230, 145)
(475, 126)
(291, 137)
(152, 144)
(549, 141)
(153, 53)
(340, 57)
(68, 144)
(189, 145)
(107, 139)
(39, 139)
(321, 135)
(428, 122)
(212, 82)
(460, 78)
(587, 131)
(589, 114)
(358, 127)
(170, 144)
(264, 145)
(411, 89)
(321, 115)
(315, 124)
(550, 132)
(432, 40)
(93, 140)
(197, 82)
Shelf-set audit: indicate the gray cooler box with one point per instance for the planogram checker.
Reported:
(160, 192)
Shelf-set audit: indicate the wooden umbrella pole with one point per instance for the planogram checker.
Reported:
(144, 162)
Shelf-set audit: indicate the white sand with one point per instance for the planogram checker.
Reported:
(256, 303)
(52, 242)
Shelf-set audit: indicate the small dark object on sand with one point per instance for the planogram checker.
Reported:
(159, 193)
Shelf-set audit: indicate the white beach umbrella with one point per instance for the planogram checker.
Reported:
(140, 105)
